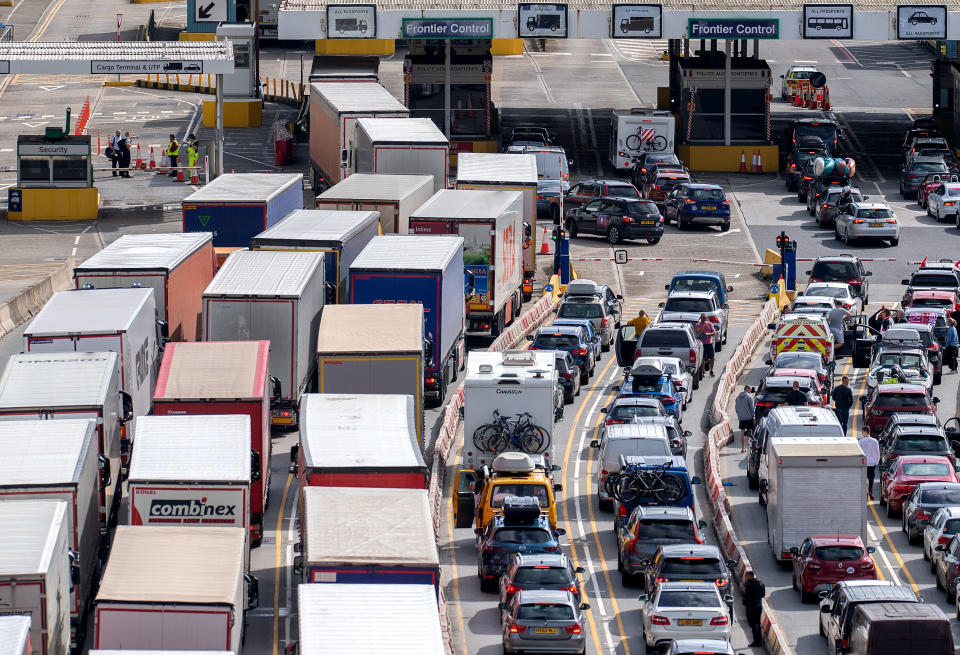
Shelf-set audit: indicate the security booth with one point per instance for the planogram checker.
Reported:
(54, 178)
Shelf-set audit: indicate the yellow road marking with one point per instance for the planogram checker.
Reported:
(278, 567)
(453, 557)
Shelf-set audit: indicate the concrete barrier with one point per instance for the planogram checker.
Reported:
(25, 305)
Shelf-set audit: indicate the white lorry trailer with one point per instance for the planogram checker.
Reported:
(834, 466)
(511, 382)
(58, 460)
(276, 296)
(394, 196)
(174, 588)
(15, 635)
(636, 131)
(402, 146)
(36, 569)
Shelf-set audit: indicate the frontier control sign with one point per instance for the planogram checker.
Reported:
(447, 28)
(733, 28)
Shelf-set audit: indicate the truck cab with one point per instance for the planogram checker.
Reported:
(701, 281)
(480, 493)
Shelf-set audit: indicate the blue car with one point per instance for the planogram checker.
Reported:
(572, 339)
(697, 204)
(676, 466)
(592, 333)
(651, 382)
(700, 281)
(522, 528)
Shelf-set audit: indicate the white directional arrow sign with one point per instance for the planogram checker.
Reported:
(52, 87)
(210, 11)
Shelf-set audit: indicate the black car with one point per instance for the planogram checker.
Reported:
(828, 131)
(898, 419)
(806, 180)
(842, 268)
(689, 562)
(548, 195)
(797, 160)
(820, 187)
(617, 219)
(915, 440)
(927, 498)
(644, 162)
(572, 339)
(568, 375)
(521, 528)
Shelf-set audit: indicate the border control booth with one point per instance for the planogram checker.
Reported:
(54, 178)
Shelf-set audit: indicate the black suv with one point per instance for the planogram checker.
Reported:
(915, 440)
(617, 219)
(689, 562)
(521, 528)
(828, 131)
(903, 419)
(842, 268)
(806, 150)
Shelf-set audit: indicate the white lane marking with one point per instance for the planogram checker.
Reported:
(73, 253)
(77, 240)
(736, 276)
(730, 231)
(600, 54)
(640, 273)
(890, 570)
(593, 580)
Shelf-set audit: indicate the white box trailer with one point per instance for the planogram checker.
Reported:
(192, 471)
(335, 108)
(73, 386)
(175, 588)
(394, 196)
(509, 382)
(491, 225)
(499, 171)
(394, 146)
(276, 296)
(177, 266)
(35, 570)
(123, 321)
(15, 635)
(635, 131)
(835, 467)
(58, 460)
(339, 235)
(337, 619)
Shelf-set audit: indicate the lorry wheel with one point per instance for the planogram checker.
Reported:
(753, 483)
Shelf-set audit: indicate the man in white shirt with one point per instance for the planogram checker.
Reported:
(871, 452)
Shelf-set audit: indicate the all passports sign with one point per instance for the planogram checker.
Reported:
(733, 28)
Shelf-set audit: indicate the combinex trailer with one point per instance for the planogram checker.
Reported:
(176, 266)
(402, 146)
(224, 377)
(174, 588)
(58, 460)
(495, 171)
(365, 440)
(335, 108)
(15, 635)
(491, 224)
(509, 382)
(394, 196)
(276, 296)
(236, 207)
(339, 235)
(73, 386)
(424, 270)
(123, 321)
(836, 468)
(334, 517)
(35, 570)
(356, 356)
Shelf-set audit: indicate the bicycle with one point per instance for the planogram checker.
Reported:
(502, 434)
(634, 482)
(656, 144)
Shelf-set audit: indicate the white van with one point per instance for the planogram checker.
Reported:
(787, 422)
(637, 439)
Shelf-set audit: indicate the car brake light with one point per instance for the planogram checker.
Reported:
(572, 588)
(659, 580)
(659, 620)
(867, 566)
(719, 620)
(722, 582)
(512, 589)
(613, 421)
(603, 474)
(949, 204)
(580, 351)
(793, 168)
(654, 187)
(857, 282)
(540, 196)
(604, 324)
(516, 628)
(667, 399)
(891, 220)
(824, 206)
(724, 202)
(567, 375)
(713, 319)
(858, 221)
(814, 566)
(430, 380)
(574, 629)
(627, 219)
(622, 511)
(816, 279)
(551, 549)
(689, 201)
(943, 540)
(923, 514)
(764, 404)
(693, 355)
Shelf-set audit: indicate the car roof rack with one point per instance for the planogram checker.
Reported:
(523, 510)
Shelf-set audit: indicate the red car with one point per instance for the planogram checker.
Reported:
(889, 398)
(822, 561)
(940, 298)
(658, 188)
(815, 382)
(928, 184)
(906, 472)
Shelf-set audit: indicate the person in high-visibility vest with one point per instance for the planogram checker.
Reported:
(173, 149)
(192, 154)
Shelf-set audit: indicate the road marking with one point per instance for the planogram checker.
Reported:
(279, 564)
(73, 253)
(730, 231)
(905, 73)
(851, 60)
(453, 556)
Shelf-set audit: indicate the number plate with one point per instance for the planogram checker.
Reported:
(876, 224)
(689, 621)
(708, 206)
(647, 222)
(545, 631)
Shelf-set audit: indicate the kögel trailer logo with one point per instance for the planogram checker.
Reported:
(188, 509)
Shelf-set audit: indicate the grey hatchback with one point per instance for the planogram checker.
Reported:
(544, 621)
(528, 571)
(649, 527)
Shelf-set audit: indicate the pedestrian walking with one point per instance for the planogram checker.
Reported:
(951, 345)
(746, 408)
(113, 151)
(705, 333)
(842, 402)
(640, 322)
(871, 453)
(173, 150)
(795, 397)
(753, 594)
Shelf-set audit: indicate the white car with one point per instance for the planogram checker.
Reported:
(688, 306)
(809, 304)
(912, 361)
(838, 291)
(675, 369)
(626, 409)
(686, 610)
(795, 73)
(943, 201)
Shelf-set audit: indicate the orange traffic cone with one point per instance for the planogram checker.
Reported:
(753, 162)
(139, 163)
(759, 161)
(180, 177)
(797, 99)
(163, 162)
(544, 246)
(153, 162)
(743, 162)
(826, 98)
(194, 176)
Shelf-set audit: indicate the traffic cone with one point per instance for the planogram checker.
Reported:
(759, 161)
(544, 246)
(811, 99)
(819, 98)
(194, 176)
(826, 98)
(743, 162)
(153, 162)
(163, 162)
(180, 177)
(753, 162)
(139, 163)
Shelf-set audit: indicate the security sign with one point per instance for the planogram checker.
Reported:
(828, 21)
(922, 22)
(541, 19)
(637, 21)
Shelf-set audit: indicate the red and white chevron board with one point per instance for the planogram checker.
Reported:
(647, 134)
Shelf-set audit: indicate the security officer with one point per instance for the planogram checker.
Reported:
(173, 149)
(192, 154)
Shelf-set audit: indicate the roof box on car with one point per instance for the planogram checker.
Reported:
(521, 509)
(582, 288)
(513, 463)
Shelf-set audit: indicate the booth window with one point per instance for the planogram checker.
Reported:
(70, 169)
(35, 169)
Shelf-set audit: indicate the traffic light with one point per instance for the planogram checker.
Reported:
(783, 241)
(559, 234)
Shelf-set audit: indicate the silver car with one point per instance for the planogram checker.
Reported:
(672, 339)
(687, 306)
(673, 367)
(867, 220)
(942, 526)
(597, 302)
(838, 291)
(943, 201)
(700, 647)
(679, 610)
(544, 621)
